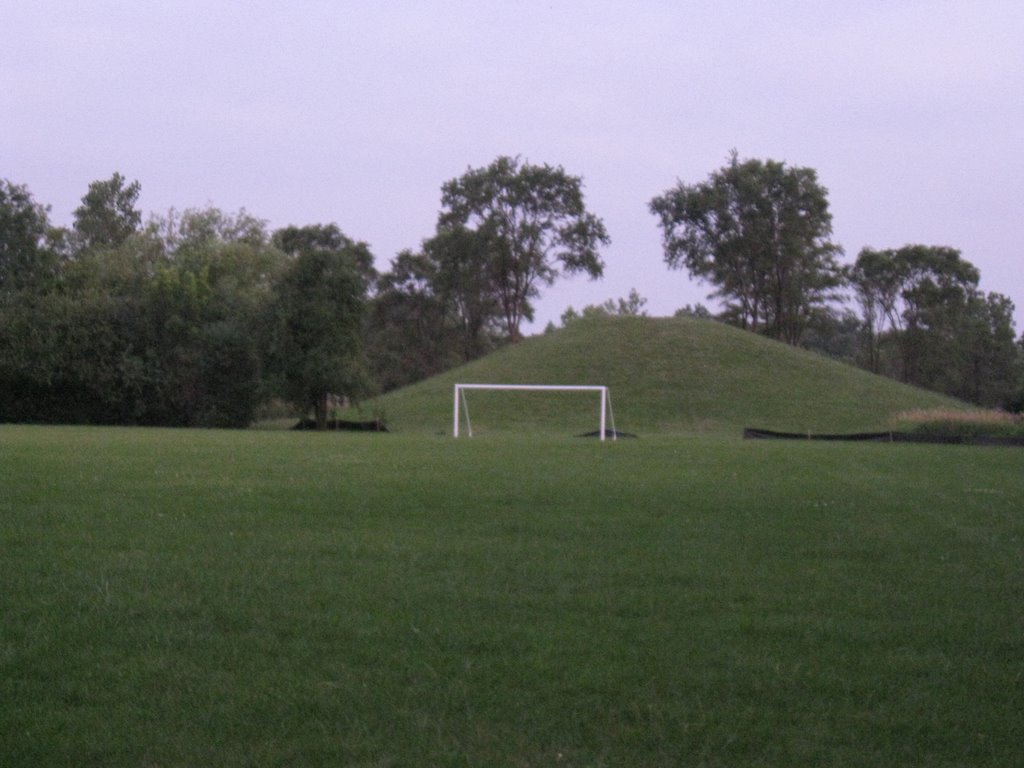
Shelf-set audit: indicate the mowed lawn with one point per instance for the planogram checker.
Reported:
(190, 598)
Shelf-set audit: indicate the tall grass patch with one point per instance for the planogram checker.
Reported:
(279, 598)
(940, 422)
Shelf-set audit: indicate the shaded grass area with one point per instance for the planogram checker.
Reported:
(271, 598)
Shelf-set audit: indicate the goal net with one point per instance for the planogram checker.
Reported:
(604, 411)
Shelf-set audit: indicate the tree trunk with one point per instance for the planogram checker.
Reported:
(321, 411)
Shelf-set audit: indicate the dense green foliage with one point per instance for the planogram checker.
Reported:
(205, 318)
(198, 318)
(315, 348)
(431, 311)
(107, 216)
(759, 232)
(27, 258)
(178, 598)
(409, 332)
(190, 320)
(528, 224)
(926, 322)
(504, 231)
(631, 306)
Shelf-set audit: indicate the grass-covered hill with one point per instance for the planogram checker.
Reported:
(667, 375)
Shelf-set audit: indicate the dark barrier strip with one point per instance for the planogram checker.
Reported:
(350, 426)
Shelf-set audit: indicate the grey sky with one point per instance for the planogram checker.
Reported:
(356, 112)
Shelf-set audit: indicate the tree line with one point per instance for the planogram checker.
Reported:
(760, 232)
(200, 317)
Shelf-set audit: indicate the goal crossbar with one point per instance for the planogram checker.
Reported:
(460, 389)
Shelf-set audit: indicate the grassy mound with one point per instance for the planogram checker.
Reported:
(667, 375)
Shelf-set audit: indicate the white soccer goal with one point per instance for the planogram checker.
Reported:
(605, 410)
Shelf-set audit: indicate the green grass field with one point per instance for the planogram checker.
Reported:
(187, 598)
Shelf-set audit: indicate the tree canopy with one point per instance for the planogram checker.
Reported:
(927, 323)
(413, 333)
(107, 215)
(630, 306)
(26, 258)
(529, 224)
(316, 347)
(760, 232)
(200, 317)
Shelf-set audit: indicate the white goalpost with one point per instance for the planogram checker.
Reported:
(605, 408)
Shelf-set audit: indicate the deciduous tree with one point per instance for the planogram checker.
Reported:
(631, 306)
(316, 346)
(412, 333)
(531, 225)
(26, 258)
(462, 277)
(924, 303)
(760, 232)
(107, 216)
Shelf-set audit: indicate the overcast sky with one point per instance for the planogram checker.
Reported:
(307, 112)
